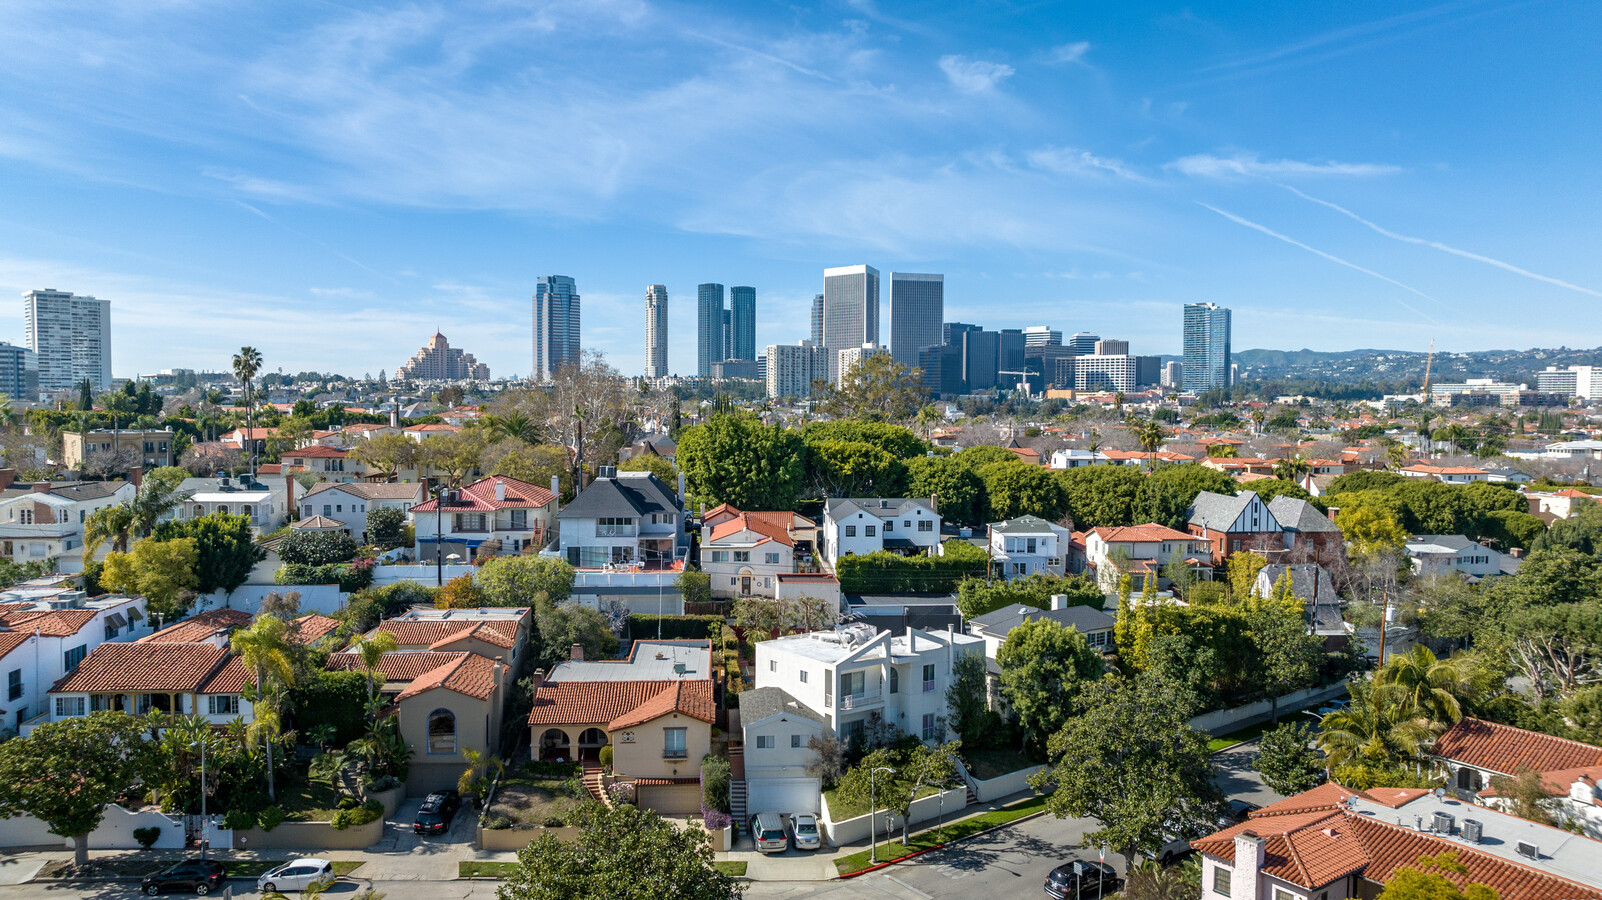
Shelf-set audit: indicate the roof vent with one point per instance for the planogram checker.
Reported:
(679, 669)
(1473, 830)
(1528, 850)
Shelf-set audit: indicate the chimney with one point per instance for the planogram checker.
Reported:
(8, 477)
(556, 485)
(577, 653)
(42, 487)
(500, 490)
(394, 417)
(681, 488)
(1059, 602)
(1248, 862)
(934, 504)
(495, 672)
(537, 679)
(136, 475)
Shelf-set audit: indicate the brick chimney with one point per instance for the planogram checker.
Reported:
(1248, 862)
(136, 475)
(42, 487)
(577, 653)
(537, 679)
(8, 477)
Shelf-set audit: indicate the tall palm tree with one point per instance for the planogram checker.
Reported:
(108, 523)
(247, 362)
(1423, 686)
(1292, 468)
(1150, 434)
(1372, 732)
(158, 495)
(514, 425)
(264, 647)
(372, 649)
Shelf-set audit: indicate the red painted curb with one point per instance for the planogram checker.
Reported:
(891, 862)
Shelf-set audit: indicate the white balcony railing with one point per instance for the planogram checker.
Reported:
(857, 701)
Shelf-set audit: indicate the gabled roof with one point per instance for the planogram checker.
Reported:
(1002, 621)
(316, 451)
(882, 507)
(1148, 533)
(597, 702)
(1509, 750)
(748, 522)
(471, 675)
(692, 698)
(199, 627)
(434, 633)
(401, 490)
(480, 497)
(49, 623)
(11, 640)
(1217, 512)
(630, 495)
(762, 703)
(142, 667)
(316, 523)
(311, 628)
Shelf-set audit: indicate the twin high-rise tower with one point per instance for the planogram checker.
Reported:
(724, 333)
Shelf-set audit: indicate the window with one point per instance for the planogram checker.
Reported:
(720, 556)
(99, 702)
(69, 706)
(868, 531)
(742, 556)
(929, 726)
(764, 742)
(1282, 894)
(25, 516)
(1029, 545)
(853, 684)
(925, 525)
(770, 558)
(1221, 881)
(442, 732)
(71, 658)
(906, 523)
(895, 681)
(803, 676)
(795, 742)
(673, 746)
(1019, 568)
(851, 531)
(928, 678)
(111, 632)
(773, 665)
(889, 525)
(1096, 638)
(519, 518)
(339, 507)
(14, 684)
(223, 705)
(328, 509)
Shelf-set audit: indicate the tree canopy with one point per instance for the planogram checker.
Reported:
(737, 460)
(163, 572)
(1101, 495)
(1043, 666)
(226, 551)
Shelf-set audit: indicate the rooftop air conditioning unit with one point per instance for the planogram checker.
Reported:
(1528, 850)
(1442, 823)
(1473, 830)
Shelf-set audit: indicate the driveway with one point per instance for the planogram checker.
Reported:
(401, 855)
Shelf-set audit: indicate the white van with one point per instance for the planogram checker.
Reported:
(767, 830)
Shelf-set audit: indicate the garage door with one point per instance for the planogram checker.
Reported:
(781, 795)
(672, 799)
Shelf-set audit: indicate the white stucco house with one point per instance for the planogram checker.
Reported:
(869, 524)
(1029, 545)
(776, 731)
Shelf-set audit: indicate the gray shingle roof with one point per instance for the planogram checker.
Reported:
(637, 494)
(883, 507)
(1083, 618)
(1022, 525)
(1218, 511)
(763, 702)
(1299, 516)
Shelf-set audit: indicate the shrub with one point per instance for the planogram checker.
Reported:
(347, 803)
(715, 819)
(386, 527)
(350, 818)
(270, 818)
(552, 769)
(147, 837)
(715, 779)
(622, 792)
(643, 627)
(332, 698)
(350, 577)
(887, 573)
(239, 820)
(316, 548)
(554, 822)
(606, 756)
(497, 823)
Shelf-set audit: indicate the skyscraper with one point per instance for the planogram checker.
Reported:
(71, 335)
(917, 306)
(850, 311)
(709, 317)
(728, 336)
(1207, 362)
(19, 372)
(656, 330)
(1042, 336)
(556, 325)
(1084, 343)
(742, 323)
(817, 320)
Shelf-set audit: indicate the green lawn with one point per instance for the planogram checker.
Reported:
(303, 800)
(472, 869)
(840, 810)
(532, 800)
(995, 762)
(731, 869)
(923, 840)
(343, 867)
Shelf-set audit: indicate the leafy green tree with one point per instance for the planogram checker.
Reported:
(163, 572)
(1286, 759)
(1555, 577)
(535, 463)
(1043, 666)
(1370, 529)
(968, 700)
(1372, 732)
(895, 440)
(1556, 648)
(1131, 761)
(316, 548)
(694, 585)
(264, 649)
(1423, 686)
(457, 455)
(386, 527)
(225, 549)
(1583, 709)
(1267, 489)
(976, 596)
(915, 767)
(1016, 488)
(1426, 881)
(1364, 480)
(1581, 531)
(563, 625)
(737, 460)
(854, 469)
(388, 453)
(620, 852)
(878, 389)
(525, 580)
(1288, 658)
(961, 493)
(650, 462)
(1101, 495)
(1166, 494)
(66, 773)
(461, 592)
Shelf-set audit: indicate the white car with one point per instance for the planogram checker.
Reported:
(805, 828)
(297, 876)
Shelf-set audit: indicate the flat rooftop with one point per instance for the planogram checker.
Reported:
(647, 661)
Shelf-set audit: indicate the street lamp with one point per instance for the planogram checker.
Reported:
(205, 823)
(439, 535)
(873, 813)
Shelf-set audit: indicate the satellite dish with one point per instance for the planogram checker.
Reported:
(1440, 793)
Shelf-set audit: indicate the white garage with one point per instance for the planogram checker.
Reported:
(781, 795)
(777, 730)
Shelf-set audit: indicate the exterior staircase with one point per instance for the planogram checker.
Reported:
(737, 790)
(592, 780)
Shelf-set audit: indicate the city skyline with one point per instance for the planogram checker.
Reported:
(336, 182)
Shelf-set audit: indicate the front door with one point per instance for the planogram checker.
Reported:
(745, 585)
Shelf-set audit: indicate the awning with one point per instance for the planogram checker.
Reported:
(134, 614)
(466, 542)
(900, 543)
(115, 620)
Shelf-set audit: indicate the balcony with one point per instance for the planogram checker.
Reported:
(675, 754)
(858, 701)
(616, 531)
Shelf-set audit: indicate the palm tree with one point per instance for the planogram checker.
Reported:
(157, 496)
(1258, 415)
(1223, 451)
(372, 649)
(264, 647)
(475, 779)
(108, 523)
(1150, 434)
(247, 362)
(513, 425)
(927, 415)
(1423, 686)
(1292, 469)
(1371, 731)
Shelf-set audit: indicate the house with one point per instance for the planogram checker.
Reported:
(245, 496)
(491, 516)
(802, 530)
(859, 678)
(1448, 474)
(46, 520)
(993, 627)
(744, 554)
(623, 518)
(447, 710)
(870, 524)
(896, 613)
(146, 449)
(1507, 475)
(1331, 843)
(420, 433)
(651, 445)
(1231, 524)
(43, 639)
(1142, 551)
(349, 503)
(178, 679)
(1239, 465)
(776, 733)
(655, 708)
(1474, 751)
(327, 463)
(1313, 584)
(1554, 505)
(1304, 527)
(1074, 458)
(1437, 554)
(214, 627)
(1029, 545)
(489, 632)
(248, 440)
(311, 628)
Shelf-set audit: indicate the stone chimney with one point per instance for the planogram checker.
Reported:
(500, 490)
(577, 653)
(1248, 862)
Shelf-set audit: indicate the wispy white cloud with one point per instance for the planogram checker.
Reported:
(1329, 256)
(1070, 53)
(974, 76)
(1347, 39)
(1444, 248)
(1247, 165)
(341, 292)
(1073, 161)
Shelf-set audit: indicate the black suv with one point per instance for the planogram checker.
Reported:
(199, 875)
(1082, 880)
(436, 813)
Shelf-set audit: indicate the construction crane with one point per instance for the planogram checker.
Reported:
(1022, 386)
(1427, 363)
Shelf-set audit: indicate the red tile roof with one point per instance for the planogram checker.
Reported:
(50, 623)
(1140, 533)
(1509, 750)
(692, 698)
(750, 522)
(480, 497)
(311, 628)
(230, 679)
(316, 451)
(595, 702)
(435, 633)
(471, 675)
(397, 665)
(199, 627)
(11, 640)
(145, 668)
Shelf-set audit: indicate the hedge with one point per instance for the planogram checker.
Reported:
(350, 577)
(887, 573)
(643, 627)
(361, 815)
(333, 698)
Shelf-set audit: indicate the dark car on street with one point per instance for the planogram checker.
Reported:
(1082, 879)
(1236, 811)
(436, 813)
(201, 876)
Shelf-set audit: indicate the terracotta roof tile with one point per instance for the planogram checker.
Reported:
(435, 633)
(311, 628)
(1509, 750)
(480, 495)
(11, 640)
(50, 623)
(199, 627)
(1142, 533)
(752, 522)
(693, 698)
(397, 665)
(230, 679)
(471, 675)
(144, 667)
(591, 702)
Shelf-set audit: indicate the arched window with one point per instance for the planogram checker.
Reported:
(442, 732)
(222, 509)
(245, 511)
(199, 510)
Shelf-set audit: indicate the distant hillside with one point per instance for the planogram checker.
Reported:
(1404, 369)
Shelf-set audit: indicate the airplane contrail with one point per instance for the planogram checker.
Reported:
(1444, 248)
(1332, 258)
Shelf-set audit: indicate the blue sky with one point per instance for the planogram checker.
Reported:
(330, 182)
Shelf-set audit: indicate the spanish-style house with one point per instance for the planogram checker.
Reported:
(1029, 545)
(214, 627)
(493, 516)
(179, 679)
(42, 640)
(744, 553)
(327, 463)
(1448, 474)
(1142, 552)
(858, 526)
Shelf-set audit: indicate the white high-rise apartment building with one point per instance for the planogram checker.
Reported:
(917, 315)
(850, 311)
(656, 330)
(1207, 362)
(1098, 372)
(791, 369)
(1112, 348)
(1084, 343)
(72, 336)
(556, 325)
(853, 357)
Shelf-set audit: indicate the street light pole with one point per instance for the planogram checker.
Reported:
(439, 535)
(873, 812)
(205, 823)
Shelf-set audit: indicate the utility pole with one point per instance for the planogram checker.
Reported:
(439, 535)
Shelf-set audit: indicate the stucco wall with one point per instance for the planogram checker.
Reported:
(1002, 786)
(1224, 721)
(922, 810)
(642, 758)
(498, 839)
(477, 725)
(310, 836)
(115, 832)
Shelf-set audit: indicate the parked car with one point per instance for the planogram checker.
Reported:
(1236, 811)
(805, 826)
(1082, 879)
(199, 875)
(297, 876)
(767, 829)
(436, 813)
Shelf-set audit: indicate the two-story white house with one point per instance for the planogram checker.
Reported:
(137, 678)
(859, 678)
(257, 501)
(745, 554)
(1029, 545)
(1438, 554)
(327, 463)
(869, 524)
(498, 515)
(46, 521)
(623, 518)
(349, 504)
(1141, 551)
(777, 731)
(1075, 458)
(40, 641)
